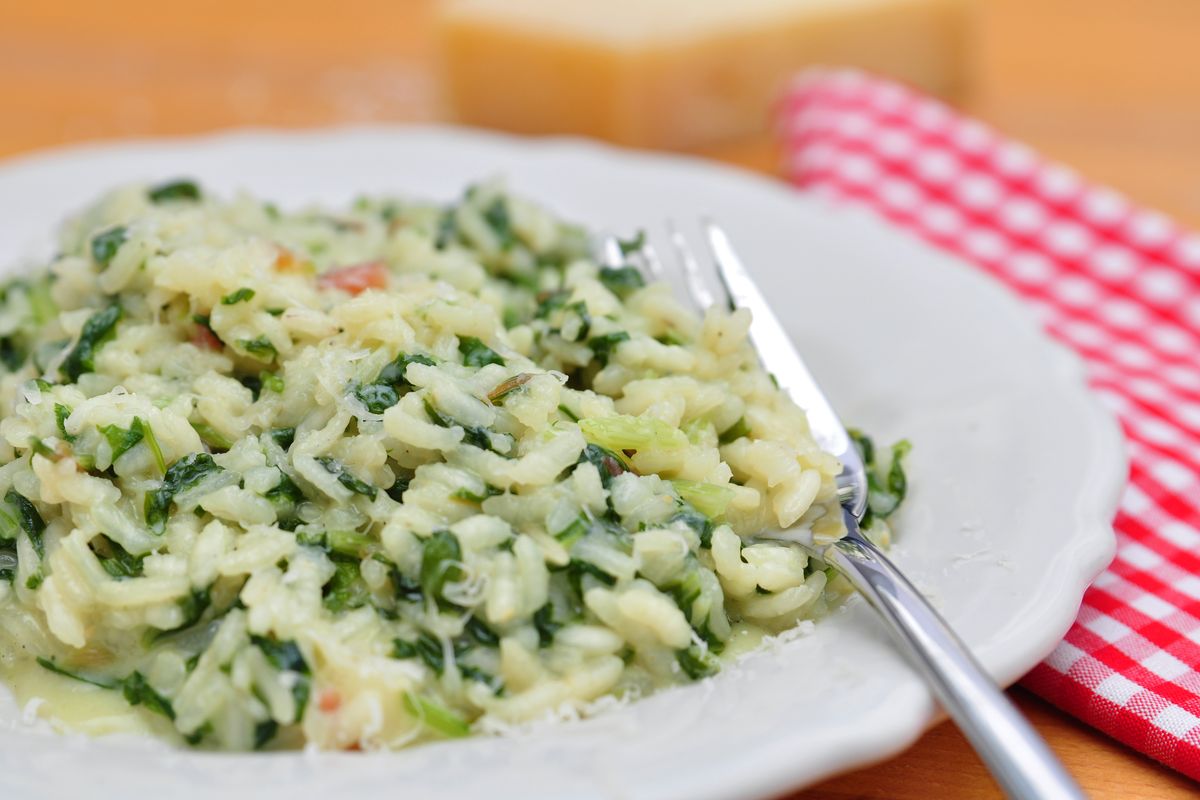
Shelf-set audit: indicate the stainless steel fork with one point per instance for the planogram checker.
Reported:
(1018, 758)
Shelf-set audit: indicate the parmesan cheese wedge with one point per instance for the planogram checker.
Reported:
(678, 73)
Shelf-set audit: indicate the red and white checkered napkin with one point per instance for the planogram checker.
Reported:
(1122, 287)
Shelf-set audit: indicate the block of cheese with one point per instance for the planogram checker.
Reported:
(678, 73)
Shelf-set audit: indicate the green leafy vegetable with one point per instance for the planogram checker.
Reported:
(61, 413)
(240, 296)
(106, 244)
(709, 499)
(886, 490)
(211, 436)
(184, 474)
(29, 519)
(447, 229)
(550, 302)
(543, 621)
(699, 523)
(436, 717)
(285, 656)
(137, 691)
(346, 589)
(184, 190)
(151, 442)
(134, 687)
(115, 559)
(622, 281)
(258, 348)
(697, 662)
(575, 531)
(335, 467)
(472, 435)
(623, 432)
(272, 382)
(441, 563)
(99, 328)
(391, 383)
(283, 437)
(603, 346)
(120, 440)
(634, 245)
(609, 464)
(193, 605)
(377, 397)
(735, 431)
(500, 221)
(477, 354)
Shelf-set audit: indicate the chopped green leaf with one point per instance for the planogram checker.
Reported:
(106, 244)
(240, 296)
(885, 490)
(604, 346)
(621, 281)
(286, 657)
(697, 662)
(550, 302)
(472, 435)
(498, 219)
(735, 431)
(436, 717)
(543, 621)
(116, 560)
(61, 413)
(137, 691)
(29, 519)
(99, 328)
(709, 499)
(272, 382)
(608, 463)
(624, 432)
(575, 531)
(53, 666)
(346, 590)
(184, 474)
(120, 440)
(393, 374)
(259, 348)
(174, 190)
(447, 229)
(193, 605)
(441, 563)
(335, 467)
(283, 437)
(211, 436)
(377, 397)
(634, 245)
(477, 354)
(151, 442)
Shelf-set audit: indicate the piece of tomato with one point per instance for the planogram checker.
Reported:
(356, 278)
(205, 339)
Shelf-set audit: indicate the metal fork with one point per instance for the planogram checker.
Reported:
(1018, 758)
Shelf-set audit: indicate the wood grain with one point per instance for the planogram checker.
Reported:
(1109, 86)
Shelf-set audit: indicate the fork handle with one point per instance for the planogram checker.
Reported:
(1017, 757)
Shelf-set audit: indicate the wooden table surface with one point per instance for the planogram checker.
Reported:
(1109, 86)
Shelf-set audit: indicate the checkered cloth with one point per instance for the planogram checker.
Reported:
(1119, 284)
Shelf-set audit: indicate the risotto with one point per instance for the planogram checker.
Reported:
(367, 477)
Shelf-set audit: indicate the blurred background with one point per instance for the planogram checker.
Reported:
(1109, 86)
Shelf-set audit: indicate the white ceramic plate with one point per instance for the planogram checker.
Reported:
(1015, 474)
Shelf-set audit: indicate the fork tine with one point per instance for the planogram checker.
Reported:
(696, 286)
(610, 254)
(653, 263)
